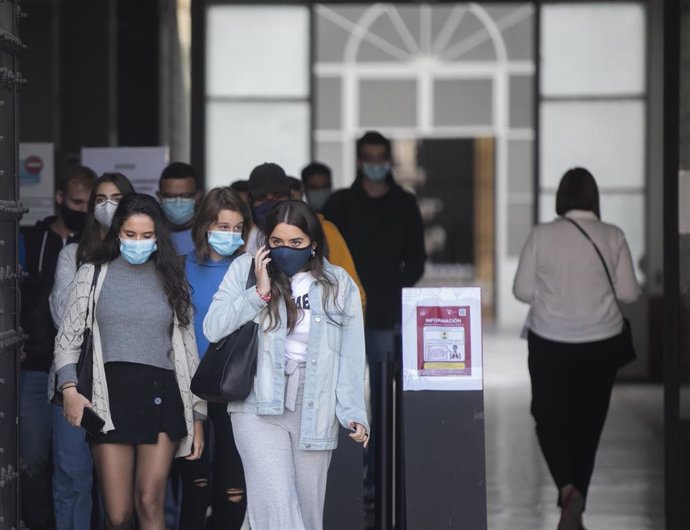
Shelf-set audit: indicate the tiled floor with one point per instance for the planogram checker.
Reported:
(627, 487)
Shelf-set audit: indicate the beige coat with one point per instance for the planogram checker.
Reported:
(68, 347)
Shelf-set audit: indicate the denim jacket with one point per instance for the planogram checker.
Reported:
(334, 376)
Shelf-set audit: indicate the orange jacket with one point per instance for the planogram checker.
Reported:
(339, 254)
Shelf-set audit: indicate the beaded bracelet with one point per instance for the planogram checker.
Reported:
(264, 297)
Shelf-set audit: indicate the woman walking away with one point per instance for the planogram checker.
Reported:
(310, 372)
(219, 231)
(574, 326)
(72, 474)
(144, 354)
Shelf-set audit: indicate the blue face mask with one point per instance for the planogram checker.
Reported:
(376, 172)
(178, 210)
(136, 251)
(291, 260)
(225, 243)
(317, 198)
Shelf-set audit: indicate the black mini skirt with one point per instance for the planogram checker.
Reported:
(144, 401)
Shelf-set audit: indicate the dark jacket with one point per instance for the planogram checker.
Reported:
(386, 238)
(40, 249)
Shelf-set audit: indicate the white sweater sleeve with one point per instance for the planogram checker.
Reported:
(71, 331)
(65, 274)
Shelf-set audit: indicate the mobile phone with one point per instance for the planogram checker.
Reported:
(91, 422)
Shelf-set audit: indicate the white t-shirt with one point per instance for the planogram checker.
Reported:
(297, 342)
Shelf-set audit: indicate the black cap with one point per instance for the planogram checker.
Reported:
(268, 179)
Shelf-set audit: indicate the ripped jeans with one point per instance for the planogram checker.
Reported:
(216, 479)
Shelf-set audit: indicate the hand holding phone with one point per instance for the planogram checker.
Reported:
(359, 434)
(91, 422)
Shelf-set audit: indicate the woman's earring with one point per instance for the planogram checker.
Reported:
(312, 252)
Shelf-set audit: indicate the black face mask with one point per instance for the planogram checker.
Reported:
(261, 212)
(291, 260)
(73, 219)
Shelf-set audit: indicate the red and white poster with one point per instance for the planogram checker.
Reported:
(442, 339)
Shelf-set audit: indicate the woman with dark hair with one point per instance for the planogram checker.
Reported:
(310, 371)
(220, 228)
(72, 474)
(106, 193)
(574, 323)
(144, 354)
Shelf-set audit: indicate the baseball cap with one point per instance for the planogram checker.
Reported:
(268, 179)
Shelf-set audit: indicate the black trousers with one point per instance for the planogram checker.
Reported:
(571, 391)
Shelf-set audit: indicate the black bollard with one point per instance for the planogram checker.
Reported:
(384, 445)
(399, 443)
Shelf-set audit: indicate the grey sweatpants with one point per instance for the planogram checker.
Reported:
(286, 486)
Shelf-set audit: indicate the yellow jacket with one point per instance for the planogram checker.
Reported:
(339, 254)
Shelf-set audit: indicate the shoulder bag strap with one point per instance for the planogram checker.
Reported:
(603, 262)
(251, 277)
(92, 295)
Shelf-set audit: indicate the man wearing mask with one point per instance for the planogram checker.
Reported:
(180, 194)
(382, 226)
(268, 185)
(271, 185)
(317, 181)
(39, 248)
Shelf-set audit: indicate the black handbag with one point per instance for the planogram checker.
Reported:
(85, 361)
(226, 372)
(625, 347)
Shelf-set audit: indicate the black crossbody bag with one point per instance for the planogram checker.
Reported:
(625, 349)
(85, 362)
(226, 372)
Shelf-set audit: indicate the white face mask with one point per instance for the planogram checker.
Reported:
(103, 213)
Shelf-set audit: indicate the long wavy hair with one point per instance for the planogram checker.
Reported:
(169, 266)
(301, 215)
(91, 235)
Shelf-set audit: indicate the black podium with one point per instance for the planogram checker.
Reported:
(445, 475)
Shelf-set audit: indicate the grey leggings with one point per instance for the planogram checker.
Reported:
(286, 486)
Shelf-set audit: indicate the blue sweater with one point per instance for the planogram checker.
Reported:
(204, 278)
(183, 241)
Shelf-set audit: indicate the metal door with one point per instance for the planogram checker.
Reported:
(11, 212)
